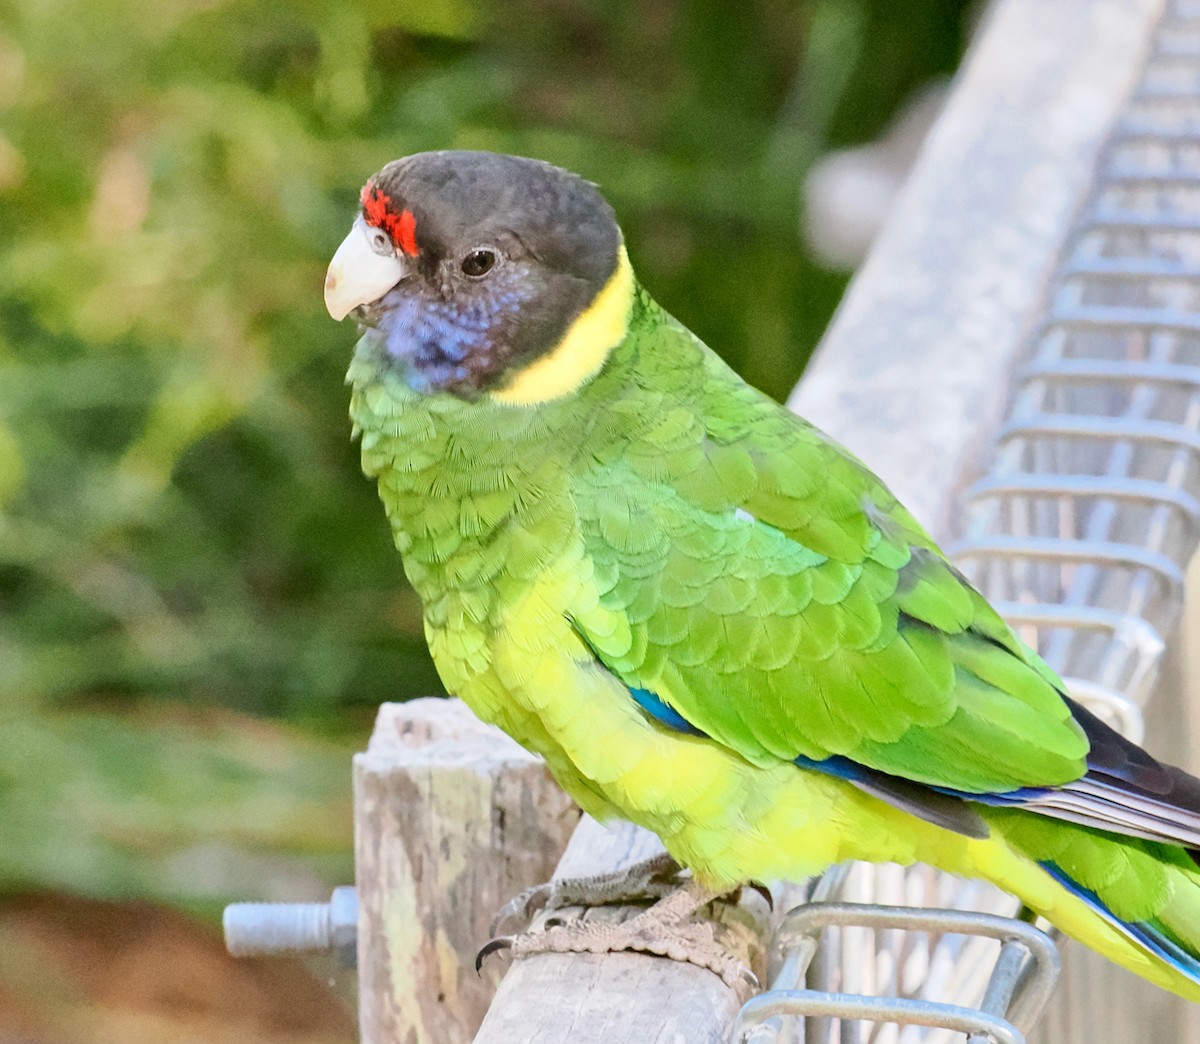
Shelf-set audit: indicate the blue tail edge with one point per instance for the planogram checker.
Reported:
(1152, 936)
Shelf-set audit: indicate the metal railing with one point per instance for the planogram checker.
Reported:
(1079, 534)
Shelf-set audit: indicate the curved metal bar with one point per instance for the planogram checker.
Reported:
(1140, 370)
(1029, 484)
(1127, 268)
(1102, 427)
(803, 1003)
(1126, 317)
(803, 923)
(1134, 629)
(1057, 548)
(1118, 220)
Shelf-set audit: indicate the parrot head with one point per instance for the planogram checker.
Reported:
(485, 274)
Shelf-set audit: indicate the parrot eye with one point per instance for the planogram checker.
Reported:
(478, 262)
(379, 241)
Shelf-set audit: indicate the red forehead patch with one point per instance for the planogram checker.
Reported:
(378, 212)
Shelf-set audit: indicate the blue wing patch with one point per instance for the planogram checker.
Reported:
(663, 713)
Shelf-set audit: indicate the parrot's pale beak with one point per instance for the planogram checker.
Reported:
(358, 275)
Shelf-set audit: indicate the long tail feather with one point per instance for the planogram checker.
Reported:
(1154, 935)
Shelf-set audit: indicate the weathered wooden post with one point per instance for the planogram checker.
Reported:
(452, 818)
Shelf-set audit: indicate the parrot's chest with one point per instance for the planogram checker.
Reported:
(499, 557)
(526, 669)
(509, 588)
(507, 647)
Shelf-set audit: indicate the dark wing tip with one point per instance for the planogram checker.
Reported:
(1122, 763)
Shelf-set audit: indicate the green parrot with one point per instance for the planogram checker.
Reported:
(707, 616)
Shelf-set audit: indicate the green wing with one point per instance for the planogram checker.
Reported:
(780, 599)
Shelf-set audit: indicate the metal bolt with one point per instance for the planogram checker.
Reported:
(260, 929)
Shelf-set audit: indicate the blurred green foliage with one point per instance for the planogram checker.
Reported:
(181, 512)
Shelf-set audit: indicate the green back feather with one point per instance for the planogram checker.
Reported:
(786, 604)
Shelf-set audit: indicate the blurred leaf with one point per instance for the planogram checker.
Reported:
(195, 809)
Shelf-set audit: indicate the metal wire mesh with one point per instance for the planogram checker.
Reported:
(1079, 534)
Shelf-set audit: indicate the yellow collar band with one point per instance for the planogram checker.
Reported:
(585, 347)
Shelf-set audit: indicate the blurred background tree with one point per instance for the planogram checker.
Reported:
(199, 603)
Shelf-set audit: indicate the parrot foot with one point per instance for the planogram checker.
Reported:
(666, 929)
(653, 878)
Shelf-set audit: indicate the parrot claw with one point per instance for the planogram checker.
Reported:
(764, 891)
(735, 897)
(501, 942)
(652, 879)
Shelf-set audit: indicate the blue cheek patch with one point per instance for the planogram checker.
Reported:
(449, 344)
(434, 342)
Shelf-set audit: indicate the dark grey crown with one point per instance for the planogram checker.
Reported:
(456, 195)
